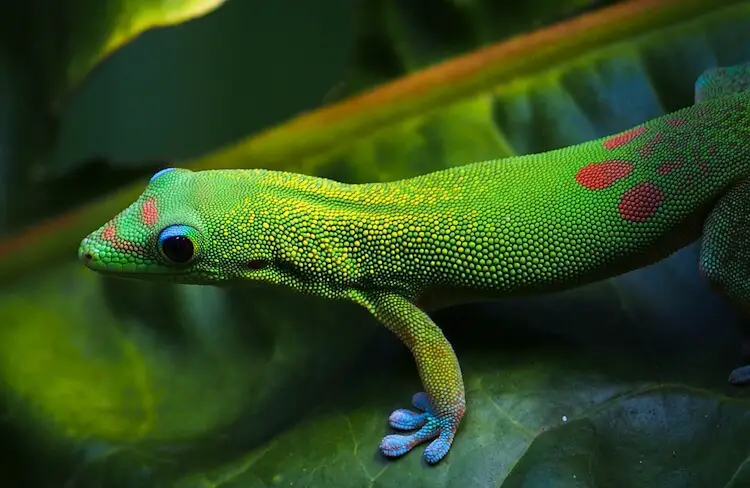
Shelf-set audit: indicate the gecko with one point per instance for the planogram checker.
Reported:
(517, 226)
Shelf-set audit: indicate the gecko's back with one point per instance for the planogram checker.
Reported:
(566, 217)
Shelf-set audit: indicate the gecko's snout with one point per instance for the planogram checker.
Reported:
(86, 254)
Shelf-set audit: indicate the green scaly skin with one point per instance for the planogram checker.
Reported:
(515, 226)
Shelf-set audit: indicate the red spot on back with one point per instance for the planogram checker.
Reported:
(640, 202)
(597, 176)
(648, 148)
(667, 167)
(676, 122)
(149, 212)
(624, 138)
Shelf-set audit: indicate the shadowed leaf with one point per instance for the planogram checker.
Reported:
(46, 50)
(538, 419)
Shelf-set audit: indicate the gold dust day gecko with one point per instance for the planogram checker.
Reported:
(516, 226)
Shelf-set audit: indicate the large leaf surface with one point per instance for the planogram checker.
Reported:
(396, 37)
(153, 382)
(539, 419)
(46, 50)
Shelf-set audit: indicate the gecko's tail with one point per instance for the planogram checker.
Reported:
(720, 81)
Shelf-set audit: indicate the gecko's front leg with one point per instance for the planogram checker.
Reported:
(442, 405)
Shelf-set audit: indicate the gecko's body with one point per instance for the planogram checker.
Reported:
(515, 226)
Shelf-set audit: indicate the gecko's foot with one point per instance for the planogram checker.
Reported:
(431, 426)
(740, 376)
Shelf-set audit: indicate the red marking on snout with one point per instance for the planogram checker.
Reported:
(110, 234)
(149, 212)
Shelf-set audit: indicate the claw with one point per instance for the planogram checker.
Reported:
(440, 428)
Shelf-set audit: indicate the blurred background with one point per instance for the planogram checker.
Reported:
(181, 92)
(109, 383)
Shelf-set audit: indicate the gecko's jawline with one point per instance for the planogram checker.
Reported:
(166, 275)
(136, 275)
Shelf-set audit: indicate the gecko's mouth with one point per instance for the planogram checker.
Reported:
(90, 256)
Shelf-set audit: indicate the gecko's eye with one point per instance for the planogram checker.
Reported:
(179, 244)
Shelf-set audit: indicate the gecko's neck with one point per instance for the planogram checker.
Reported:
(311, 192)
(394, 236)
(347, 235)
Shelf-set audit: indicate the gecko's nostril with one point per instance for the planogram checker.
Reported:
(87, 256)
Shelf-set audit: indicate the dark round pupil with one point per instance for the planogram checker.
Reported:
(178, 249)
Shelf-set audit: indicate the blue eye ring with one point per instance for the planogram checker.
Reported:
(179, 244)
(159, 173)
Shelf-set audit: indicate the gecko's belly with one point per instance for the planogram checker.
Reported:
(477, 284)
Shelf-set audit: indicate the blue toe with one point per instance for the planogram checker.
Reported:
(438, 448)
(407, 420)
(421, 401)
(395, 445)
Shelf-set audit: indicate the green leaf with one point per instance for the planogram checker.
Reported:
(396, 37)
(46, 50)
(129, 360)
(537, 420)
(152, 381)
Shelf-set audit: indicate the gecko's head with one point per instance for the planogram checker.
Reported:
(177, 230)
